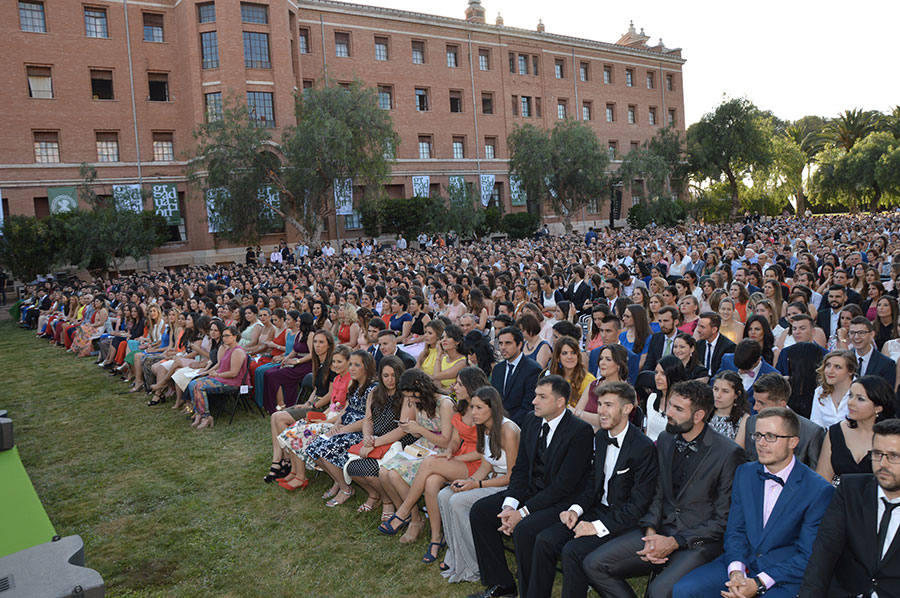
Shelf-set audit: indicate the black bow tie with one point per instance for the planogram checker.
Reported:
(765, 475)
(612, 440)
(683, 445)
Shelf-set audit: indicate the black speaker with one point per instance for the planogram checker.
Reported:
(6, 433)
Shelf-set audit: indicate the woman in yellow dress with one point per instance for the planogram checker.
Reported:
(432, 337)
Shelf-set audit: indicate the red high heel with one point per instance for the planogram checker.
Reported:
(287, 485)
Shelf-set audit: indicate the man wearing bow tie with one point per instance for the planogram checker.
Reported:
(685, 523)
(619, 489)
(776, 507)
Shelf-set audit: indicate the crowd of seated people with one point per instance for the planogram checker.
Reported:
(630, 403)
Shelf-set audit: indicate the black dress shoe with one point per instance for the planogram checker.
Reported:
(496, 592)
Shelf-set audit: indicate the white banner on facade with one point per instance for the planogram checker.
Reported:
(457, 184)
(487, 189)
(214, 222)
(343, 197)
(421, 186)
(516, 192)
(128, 198)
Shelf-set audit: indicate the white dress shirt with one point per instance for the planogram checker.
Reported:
(710, 350)
(865, 360)
(824, 413)
(893, 524)
(509, 501)
(749, 377)
(609, 469)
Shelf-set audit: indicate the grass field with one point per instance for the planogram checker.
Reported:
(167, 511)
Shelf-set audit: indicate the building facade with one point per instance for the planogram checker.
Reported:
(122, 85)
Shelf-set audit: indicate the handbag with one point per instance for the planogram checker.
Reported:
(376, 453)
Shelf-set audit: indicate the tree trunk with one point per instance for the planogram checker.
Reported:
(876, 200)
(735, 200)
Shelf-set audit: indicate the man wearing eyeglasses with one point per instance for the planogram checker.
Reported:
(857, 549)
(776, 506)
(871, 361)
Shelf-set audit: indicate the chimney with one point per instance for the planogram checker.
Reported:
(540, 27)
(475, 12)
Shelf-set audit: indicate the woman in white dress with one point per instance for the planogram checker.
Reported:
(829, 405)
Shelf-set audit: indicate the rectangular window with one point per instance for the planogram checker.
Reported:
(381, 48)
(670, 83)
(206, 12)
(459, 148)
(31, 17)
(635, 145)
(102, 85)
(261, 108)
(341, 44)
(515, 105)
(512, 63)
(456, 100)
(586, 111)
(40, 82)
(525, 106)
(651, 116)
(490, 148)
(353, 221)
(385, 97)
(308, 84)
(41, 207)
(304, 41)
(452, 56)
(584, 71)
(256, 50)
(153, 27)
(95, 22)
(163, 147)
(612, 150)
(421, 99)
(651, 83)
(213, 106)
(629, 77)
(209, 50)
(487, 103)
(534, 64)
(484, 60)
(672, 118)
(561, 109)
(559, 67)
(523, 64)
(418, 52)
(632, 116)
(46, 147)
(610, 113)
(607, 75)
(107, 147)
(159, 87)
(254, 13)
(424, 147)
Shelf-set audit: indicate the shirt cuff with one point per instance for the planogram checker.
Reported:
(578, 510)
(602, 530)
(766, 580)
(737, 566)
(510, 502)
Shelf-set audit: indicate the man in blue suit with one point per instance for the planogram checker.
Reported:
(748, 362)
(776, 506)
(516, 376)
(610, 326)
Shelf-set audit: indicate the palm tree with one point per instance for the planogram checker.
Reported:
(807, 133)
(852, 125)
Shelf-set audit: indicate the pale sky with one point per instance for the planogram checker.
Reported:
(793, 57)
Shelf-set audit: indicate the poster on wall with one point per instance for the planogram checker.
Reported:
(214, 223)
(62, 199)
(343, 197)
(127, 198)
(456, 184)
(421, 186)
(272, 199)
(165, 203)
(516, 191)
(487, 189)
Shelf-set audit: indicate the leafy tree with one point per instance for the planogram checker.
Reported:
(578, 166)
(858, 175)
(529, 150)
(806, 133)
(28, 247)
(407, 217)
(520, 225)
(340, 134)
(728, 143)
(892, 122)
(775, 184)
(459, 213)
(851, 126)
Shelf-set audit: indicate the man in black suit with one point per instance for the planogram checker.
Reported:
(827, 319)
(857, 548)
(579, 292)
(661, 342)
(387, 345)
(842, 277)
(871, 361)
(685, 524)
(515, 377)
(552, 465)
(712, 345)
(619, 489)
(612, 290)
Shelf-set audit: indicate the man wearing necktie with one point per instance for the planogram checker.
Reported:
(551, 467)
(684, 526)
(857, 549)
(776, 506)
(619, 489)
(712, 345)
(515, 377)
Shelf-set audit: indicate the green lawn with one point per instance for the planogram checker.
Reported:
(167, 511)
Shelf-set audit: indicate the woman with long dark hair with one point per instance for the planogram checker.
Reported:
(757, 329)
(732, 407)
(669, 371)
(281, 384)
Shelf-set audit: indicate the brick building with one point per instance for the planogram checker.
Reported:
(121, 85)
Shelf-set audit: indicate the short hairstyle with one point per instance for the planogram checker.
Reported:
(567, 328)
(801, 317)
(774, 385)
(668, 309)
(528, 323)
(714, 319)
(558, 386)
(880, 393)
(614, 282)
(887, 427)
(698, 393)
(746, 354)
(837, 287)
(377, 323)
(386, 332)
(612, 319)
(623, 390)
(515, 332)
(787, 416)
(862, 321)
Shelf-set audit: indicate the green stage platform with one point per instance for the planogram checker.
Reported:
(23, 520)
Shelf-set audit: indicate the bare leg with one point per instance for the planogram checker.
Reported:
(446, 468)
(384, 476)
(433, 485)
(279, 397)
(138, 372)
(337, 475)
(279, 422)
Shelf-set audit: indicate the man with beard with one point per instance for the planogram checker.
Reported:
(829, 318)
(856, 549)
(684, 526)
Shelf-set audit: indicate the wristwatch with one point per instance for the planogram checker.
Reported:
(760, 586)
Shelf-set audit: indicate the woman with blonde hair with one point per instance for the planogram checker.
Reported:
(829, 405)
(731, 327)
(346, 329)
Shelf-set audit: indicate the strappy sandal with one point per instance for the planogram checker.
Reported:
(389, 530)
(429, 557)
(156, 400)
(334, 502)
(277, 471)
(366, 507)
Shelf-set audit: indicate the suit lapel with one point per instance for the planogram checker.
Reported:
(599, 462)
(559, 432)
(702, 455)
(791, 487)
(758, 488)
(666, 448)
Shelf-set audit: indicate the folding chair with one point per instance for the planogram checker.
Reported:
(235, 395)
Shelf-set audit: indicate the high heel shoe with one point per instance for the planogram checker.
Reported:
(206, 422)
(290, 488)
(277, 471)
(430, 557)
